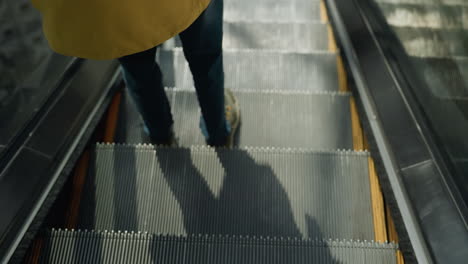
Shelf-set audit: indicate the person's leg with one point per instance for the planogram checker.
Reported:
(144, 82)
(202, 44)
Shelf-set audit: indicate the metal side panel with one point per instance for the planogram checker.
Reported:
(431, 16)
(272, 11)
(249, 191)
(299, 37)
(32, 178)
(116, 247)
(321, 121)
(426, 42)
(260, 70)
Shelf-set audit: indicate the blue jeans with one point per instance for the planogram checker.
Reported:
(202, 45)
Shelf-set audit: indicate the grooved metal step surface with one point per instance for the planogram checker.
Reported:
(64, 246)
(303, 37)
(250, 191)
(260, 70)
(294, 37)
(276, 119)
(425, 42)
(272, 11)
(445, 77)
(431, 16)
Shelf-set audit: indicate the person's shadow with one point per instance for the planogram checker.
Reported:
(252, 201)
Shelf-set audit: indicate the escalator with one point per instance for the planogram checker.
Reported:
(293, 185)
(301, 183)
(435, 38)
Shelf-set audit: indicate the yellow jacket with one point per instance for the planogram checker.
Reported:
(108, 29)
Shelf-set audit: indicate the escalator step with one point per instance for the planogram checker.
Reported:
(294, 37)
(250, 191)
(260, 70)
(64, 246)
(445, 77)
(426, 2)
(276, 119)
(272, 11)
(426, 42)
(303, 37)
(431, 16)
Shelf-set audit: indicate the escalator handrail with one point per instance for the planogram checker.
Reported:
(418, 178)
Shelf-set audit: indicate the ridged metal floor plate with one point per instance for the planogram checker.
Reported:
(272, 11)
(299, 37)
(260, 70)
(268, 119)
(251, 191)
(445, 77)
(109, 248)
(425, 42)
(431, 16)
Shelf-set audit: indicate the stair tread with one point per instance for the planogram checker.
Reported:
(430, 42)
(321, 120)
(260, 70)
(288, 36)
(103, 247)
(284, 36)
(425, 2)
(249, 191)
(445, 77)
(272, 11)
(412, 15)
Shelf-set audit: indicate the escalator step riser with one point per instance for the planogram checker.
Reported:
(110, 247)
(262, 192)
(260, 70)
(425, 42)
(294, 37)
(272, 11)
(276, 119)
(444, 17)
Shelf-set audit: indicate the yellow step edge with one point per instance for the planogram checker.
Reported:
(79, 177)
(358, 136)
(377, 202)
(34, 251)
(81, 169)
(112, 118)
(332, 47)
(393, 235)
(342, 78)
(378, 206)
(384, 227)
(323, 12)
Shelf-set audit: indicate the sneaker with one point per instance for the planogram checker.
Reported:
(170, 141)
(232, 115)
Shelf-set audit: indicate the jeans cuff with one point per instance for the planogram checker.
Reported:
(217, 140)
(160, 135)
